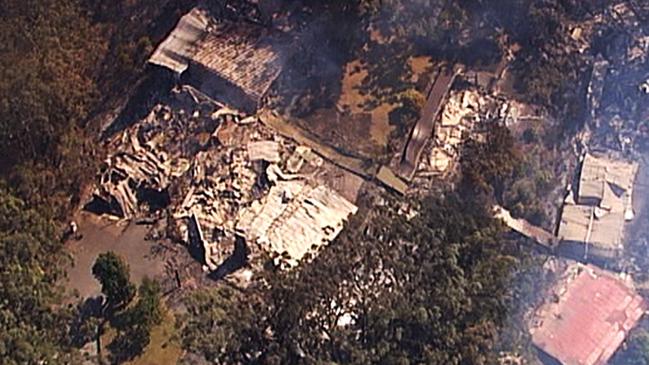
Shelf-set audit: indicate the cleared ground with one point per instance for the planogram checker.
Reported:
(101, 235)
(359, 123)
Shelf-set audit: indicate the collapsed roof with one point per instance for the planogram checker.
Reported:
(227, 61)
(587, 317)
(603, 180)
(597, 215)
(135, 168)
(215, 168)
(294, 219)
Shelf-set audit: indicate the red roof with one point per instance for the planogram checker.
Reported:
(588, 317)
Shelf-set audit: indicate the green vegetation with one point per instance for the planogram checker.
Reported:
(29, 270)
(49, 53)
(516, 177)
(404, 117)
(548, 69)
(132, 324)
(163, 347)
(60, 64)
(489, 166)
(135, 324)
(113, 274)
(431, 289)
(533, 181)
(545, 73)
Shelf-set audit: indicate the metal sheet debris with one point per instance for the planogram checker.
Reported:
(264, 150)
(594, 221)
(295, 219)
(225, 176)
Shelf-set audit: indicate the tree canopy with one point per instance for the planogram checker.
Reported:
(135, 323)
(55, 57)
(389, 290)
(113, 274)
(430, 289)
(30, 260)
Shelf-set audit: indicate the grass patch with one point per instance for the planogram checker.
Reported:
(163, 349)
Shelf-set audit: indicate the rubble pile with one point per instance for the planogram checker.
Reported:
(295, 218)
(241, 190)
(463, 113)
(226, 179)
(217, 184)
(222, 180)
(139, 166)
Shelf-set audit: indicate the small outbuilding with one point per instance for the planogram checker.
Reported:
(592, 222)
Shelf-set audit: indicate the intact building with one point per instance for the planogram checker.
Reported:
(592, 222)
(586, 318)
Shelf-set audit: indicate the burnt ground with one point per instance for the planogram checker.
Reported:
(356, 121)
(167, 263)
(346, 91)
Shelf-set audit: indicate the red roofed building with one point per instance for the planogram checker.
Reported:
(587, 317)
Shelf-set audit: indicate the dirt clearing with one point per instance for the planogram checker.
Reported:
(100, 235)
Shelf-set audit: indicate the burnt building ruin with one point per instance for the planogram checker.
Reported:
(234, 63)
(592, 222)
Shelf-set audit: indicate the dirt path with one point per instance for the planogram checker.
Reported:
(101, 235)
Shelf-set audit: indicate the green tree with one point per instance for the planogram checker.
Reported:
(113, 274)
(489, 165)
(431, 289)
(147, 311)
(30, 258)
(225, 325)
(135, 323)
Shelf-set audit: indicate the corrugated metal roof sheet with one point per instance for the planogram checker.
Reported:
(264, 150)
(580, 223)
(180, 46)
(295, 218)
(241, 53)
(389, 178)
(597, 172)
(587, 320)
(605, 190)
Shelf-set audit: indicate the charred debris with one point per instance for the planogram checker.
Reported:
(225, 183)
(234, 182)
(202, 154)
